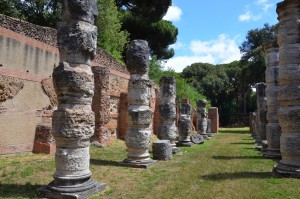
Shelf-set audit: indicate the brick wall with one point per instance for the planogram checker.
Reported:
(28, 55)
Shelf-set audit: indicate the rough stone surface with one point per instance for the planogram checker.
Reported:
(162, 150)
(273, 130)
(139, 118)
(101, 105)
(197, 139)
(167, 109)
(208, 129)
(185, 124)
(9, 87)
(48, 88)
(202, 118)
(43, 140)
(289, 80)
(73, 122)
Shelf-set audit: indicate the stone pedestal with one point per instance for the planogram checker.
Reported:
(43, 139)
(202, 118)
(167, 109)
(139, 132)
(185, 124)
(73, 122)
(288, 39)
(213, 114)
(100, 106)
(261, 138)
(273, 130)
(162, 150)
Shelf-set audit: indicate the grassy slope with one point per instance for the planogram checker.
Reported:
(225, 167)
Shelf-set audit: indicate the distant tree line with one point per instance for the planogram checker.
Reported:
(226, 86)
(229, 86)
(119, 22)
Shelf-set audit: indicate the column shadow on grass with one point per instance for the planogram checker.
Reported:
(236, 157)
(104, 162)
(16, 190)
(238, 175)
(243, 143)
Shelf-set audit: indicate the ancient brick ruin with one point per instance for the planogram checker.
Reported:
(29, 56)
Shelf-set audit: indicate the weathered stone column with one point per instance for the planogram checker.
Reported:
(250, 123)
(273, 130)
(254, 125)
(213, 114)
(100, 105)
(202, 118)
(138, 134)
(167, 110)
(289, 90)
(261, 115)
(73, 121)
(185, 124)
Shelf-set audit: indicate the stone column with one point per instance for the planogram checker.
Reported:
(250, 123)
(273, 130)
(254, 125)
(261, 115)
(100, 105)
(139, 133)
(185, 124)
(167, 110)
(73, 121)
(202, 118)
(214, 116)
(289, 93)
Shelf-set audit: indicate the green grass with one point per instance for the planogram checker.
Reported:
(227, 166)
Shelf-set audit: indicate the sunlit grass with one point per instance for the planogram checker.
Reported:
(227, 166)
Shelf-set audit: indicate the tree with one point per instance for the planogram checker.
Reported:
(110, 36)
(143, 20)
(8, 8)
(149, 10)
(40, 12)
(252, 51)
(207, 79)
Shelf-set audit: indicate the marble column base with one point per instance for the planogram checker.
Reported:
(80, 191)
(184, 144)
(210, 134)
(287, 170)
(144, 164)
(205, 136)
(175, 149)
(272, 154)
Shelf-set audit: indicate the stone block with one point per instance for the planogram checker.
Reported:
(162, 150)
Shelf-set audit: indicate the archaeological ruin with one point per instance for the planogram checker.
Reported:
(73, 121)
(167, 110)
(288, 96)
(273, 130)
(140, 115)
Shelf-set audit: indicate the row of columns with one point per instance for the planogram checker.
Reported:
(282, 94)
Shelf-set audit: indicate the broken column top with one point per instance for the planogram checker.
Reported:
(201, 103)
(260, 89)
(185, 107)
(80, 10)
(168, 87)
(137, 57)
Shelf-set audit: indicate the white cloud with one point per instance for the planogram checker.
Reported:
(248, 16)
(174, 14)
(179, 63)
(178, 45)
(218, 51)
(223, 49)
(265, 4)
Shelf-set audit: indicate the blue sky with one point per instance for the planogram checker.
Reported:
(211, 31)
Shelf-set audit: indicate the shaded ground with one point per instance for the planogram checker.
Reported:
(225, 167)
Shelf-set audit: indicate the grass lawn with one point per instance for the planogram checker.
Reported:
(226, 166)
